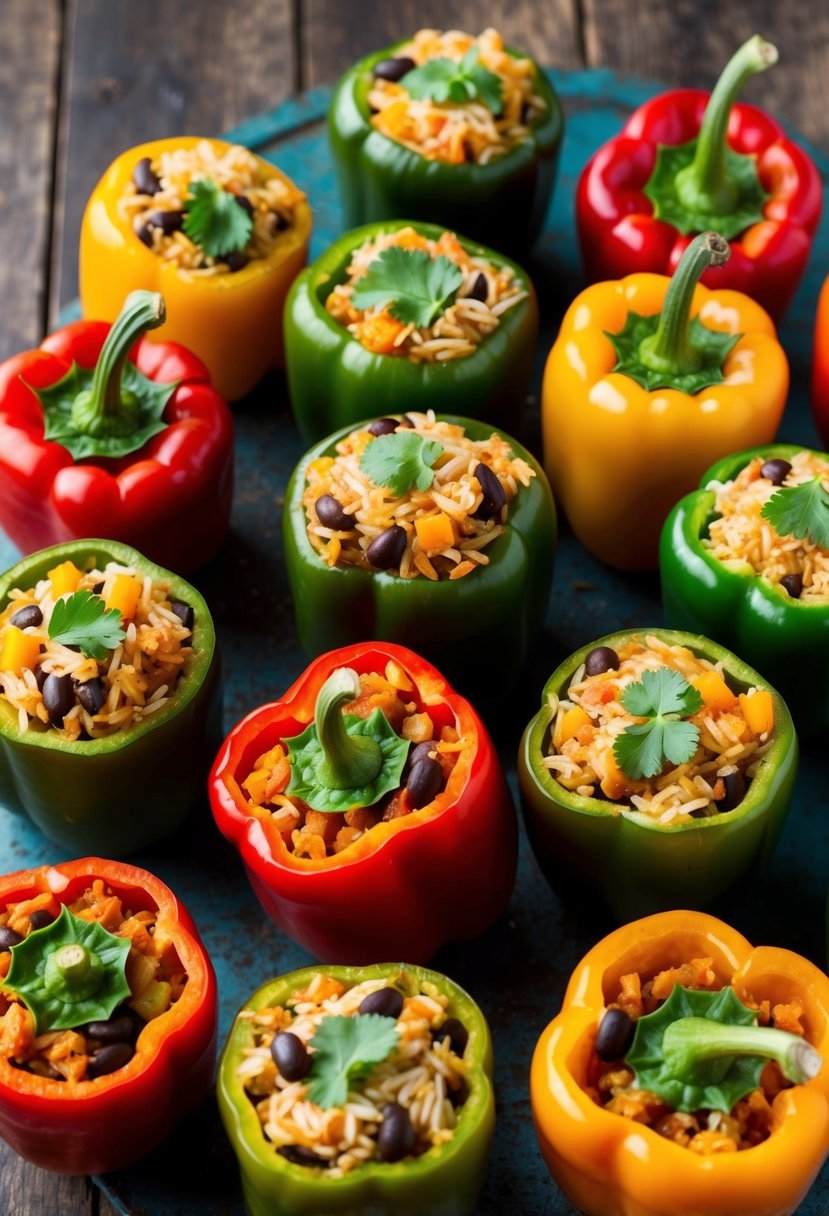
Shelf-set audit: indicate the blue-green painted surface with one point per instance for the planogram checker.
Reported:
(518, 971)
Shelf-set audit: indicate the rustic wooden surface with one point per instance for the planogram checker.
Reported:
(80, 80)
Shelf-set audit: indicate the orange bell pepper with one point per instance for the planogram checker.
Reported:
(625, 438)
(609, 1165)
(232, 321)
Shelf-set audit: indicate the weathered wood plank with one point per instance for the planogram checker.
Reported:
(27, 1191)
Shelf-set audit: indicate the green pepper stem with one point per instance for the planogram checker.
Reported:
(73, 973)
(705, 185)
(670, 349)
(691, 1041)
(349, 761)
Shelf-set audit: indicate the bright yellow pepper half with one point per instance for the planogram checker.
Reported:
(232, 321)
(620, 454)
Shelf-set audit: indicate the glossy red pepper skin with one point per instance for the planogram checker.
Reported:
(93, 1127)
(619, 234)
(820, 366)
(171, 499)
(402, 890)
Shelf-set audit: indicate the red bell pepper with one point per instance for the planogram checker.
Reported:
(405, 887)
(153, 462)
(94, 1126)
(820, 366)
(686, 162)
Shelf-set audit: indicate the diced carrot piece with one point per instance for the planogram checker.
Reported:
(714, 691)
(758, 711)
(19, 651)
(450, 247)
(16, 1032)
(320, 466)
(571, 722)
(125, 594)
(435, 532)
(392, 121)
(396, 676)
(64, 579)
(411, 240)
(324, 825)
(614, 783)
(279, 778)
(377, 333)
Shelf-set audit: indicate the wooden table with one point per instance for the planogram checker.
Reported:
(81, 80)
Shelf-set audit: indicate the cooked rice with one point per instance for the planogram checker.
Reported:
(689, 790)
(419, 1074)
(451, 131)
(236, 170)
(743, 537)
(139, 676)
(455, 492)
(456, 332)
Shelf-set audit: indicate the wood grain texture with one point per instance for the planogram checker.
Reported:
(27, 1191)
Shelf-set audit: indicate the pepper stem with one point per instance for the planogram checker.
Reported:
(73, 973)
(349, 761)
(670, 349)
(691, 1042)
(706, 185)
(108, 407)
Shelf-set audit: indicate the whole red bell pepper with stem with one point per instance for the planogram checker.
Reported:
(406, 886)
(104, 433)
(687, 161)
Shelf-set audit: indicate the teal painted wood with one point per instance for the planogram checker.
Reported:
(518, 971)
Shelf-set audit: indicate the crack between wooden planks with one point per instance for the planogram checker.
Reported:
(49, 244)
(579, 8)
(297, 39)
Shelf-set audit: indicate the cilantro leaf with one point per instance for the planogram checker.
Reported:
(214, 219)
(345, 1050)
(416, 287)
(444, 80)
(82, 620)
(800, 511)
(661, 696)
(401, 460)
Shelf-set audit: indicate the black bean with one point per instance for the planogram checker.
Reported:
(387, 549)
(290, 1056)
(492, 490)
(298, 1154)
(58, 697)
(235, 260)
(458, 1096)
(388, 1002)
(40, 919)
(735, 788)
(600, 659)
(383, 426)
(393, 69)
(168, 221)
(424, 782)
(776, 471)
(330, 513)
(396, 1138)
(91, 695)
(245, 203)
(793, 583)
(118, 1029)
(97, 589)
(109, 1059)
(25, 617)
(278, 222)
(144, 179)
(455, 1032)
(9, 938)
(145, 235)
(40, 678)
(421, 752)
(615, 1035)
(184, 612)
(480, 289)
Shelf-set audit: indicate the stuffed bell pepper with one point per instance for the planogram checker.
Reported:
(658, 771)
(436, 532)
(221, 232)
(446, 127)
(110, 696)
(107, 1015)
(103, 430)
(364, 1091)
(685, 162)
(405, 313)
(686, 1072)
(745, 559)
(649, 380)
(369, 808)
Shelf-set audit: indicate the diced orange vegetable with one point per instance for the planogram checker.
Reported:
(64, 579)
(435, 532)
(758, 711)
(714, 691)
(614, 783)
(572, 720)
(378, 333)
(19, 651)
(411, 240)
(320, 466)
(125, 594)
(393, 119)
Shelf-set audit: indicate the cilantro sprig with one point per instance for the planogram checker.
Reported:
(346, 1049)
(416, 287)
(663, 697)
(443, 80)
(82, 619)
(800, 511)
(401, 460)
(214, 220)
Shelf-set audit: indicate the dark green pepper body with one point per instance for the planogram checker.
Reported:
(334, 381)
(444, 1181)
(115, 795)
(786, 639)
(502, 203)
(637, 865)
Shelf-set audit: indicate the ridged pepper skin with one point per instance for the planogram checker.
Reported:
(93, 1127)
(444, 1181)
(787, 639)
(608, 1165)
(820, 366)
(404, 888)
(133, 788)
(501, 605)
(619, 456)
(502, 204)
(334, 381)
(636, 865)
(231, 321)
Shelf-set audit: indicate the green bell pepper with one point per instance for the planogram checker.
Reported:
(334, 380)
(498, 609)
(636, 864)
(444, 1181)
(114, 795)
(785, 637)
(502, 203)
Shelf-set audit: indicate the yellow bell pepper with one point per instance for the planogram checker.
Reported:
(645, 388)
(232, 321)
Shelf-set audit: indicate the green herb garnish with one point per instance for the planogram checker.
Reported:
(214, 219)
(345, 1051)
(416, 287)
(662, 696)
(401, 460)
(82, 620)
(711, 346)
(800, 511)
(444, 80)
